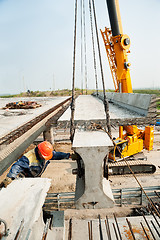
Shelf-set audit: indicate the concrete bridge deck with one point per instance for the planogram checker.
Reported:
(91, 109)
(14, 118)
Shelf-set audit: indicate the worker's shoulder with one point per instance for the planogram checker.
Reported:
(29, 153)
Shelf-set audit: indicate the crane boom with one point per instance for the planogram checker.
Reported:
(117, 47)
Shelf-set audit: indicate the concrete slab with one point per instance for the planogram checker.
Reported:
(10, 120)
(80, 228)
(90, 109)
(21, 206)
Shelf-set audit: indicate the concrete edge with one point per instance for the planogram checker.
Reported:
(139, 103)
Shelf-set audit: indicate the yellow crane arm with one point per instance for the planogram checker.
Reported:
(117, 47)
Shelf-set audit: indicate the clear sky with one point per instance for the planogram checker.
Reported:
(36, 44)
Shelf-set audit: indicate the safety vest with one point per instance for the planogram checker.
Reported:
(33, 161)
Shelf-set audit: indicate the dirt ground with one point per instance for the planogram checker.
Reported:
(60, 171)
(64, 181)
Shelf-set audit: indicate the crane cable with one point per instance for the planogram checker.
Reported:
(85, 52)
(105, 101)
(93, 46)
(72, 127)
(81, 51)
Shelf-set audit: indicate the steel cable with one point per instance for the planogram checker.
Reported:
(93, 46)
(81, 50)
(72, 127)
(106, 104)
(85, 52)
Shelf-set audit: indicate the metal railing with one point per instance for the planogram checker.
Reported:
(134, 195)
(123, 196)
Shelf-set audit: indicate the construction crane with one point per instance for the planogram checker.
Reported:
(117, 45)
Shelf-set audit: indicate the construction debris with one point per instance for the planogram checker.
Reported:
(22, 105)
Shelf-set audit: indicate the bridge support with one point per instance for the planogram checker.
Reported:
(48, 134)
(92, 189)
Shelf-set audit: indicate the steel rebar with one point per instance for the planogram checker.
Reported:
(90, 230)
(148, 226)
(155, 228)
(100, 228)
(115, 231)
(108, 228)
(70, 229)
(144, 230)
(117, 226)
(130, 228)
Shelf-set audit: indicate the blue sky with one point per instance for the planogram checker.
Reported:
(36, 44)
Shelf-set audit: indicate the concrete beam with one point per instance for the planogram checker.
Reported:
(138, 103)
(90, 110)
(92, 189)
(11, 152)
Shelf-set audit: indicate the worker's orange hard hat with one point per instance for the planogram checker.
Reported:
(46, 150)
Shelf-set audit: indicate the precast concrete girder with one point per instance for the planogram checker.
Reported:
(11, 152)
(92, 189)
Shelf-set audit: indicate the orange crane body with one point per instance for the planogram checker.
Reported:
(117, 47)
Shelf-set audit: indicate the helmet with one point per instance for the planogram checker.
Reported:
(46, 150)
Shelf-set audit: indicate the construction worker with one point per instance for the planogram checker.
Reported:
(33, 163)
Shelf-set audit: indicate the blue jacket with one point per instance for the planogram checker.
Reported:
(31, 165)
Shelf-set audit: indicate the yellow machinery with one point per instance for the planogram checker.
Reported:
(132, 142)
(117, 47)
